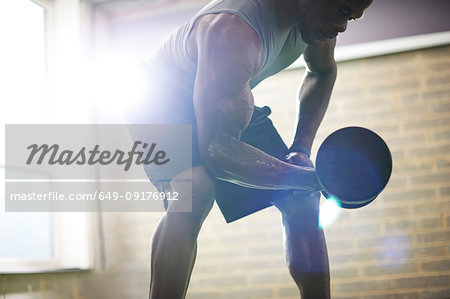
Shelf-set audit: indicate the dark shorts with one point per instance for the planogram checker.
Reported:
(236, 201)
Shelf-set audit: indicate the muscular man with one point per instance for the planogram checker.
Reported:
(205, 73)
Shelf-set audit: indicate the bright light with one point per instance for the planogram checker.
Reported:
(329, 211)
(393, 251)
(22, 60)
(114, 83)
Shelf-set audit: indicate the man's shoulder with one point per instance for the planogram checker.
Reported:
(229, 35)
(226, 25)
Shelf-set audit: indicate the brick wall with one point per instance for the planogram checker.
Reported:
(397, 247)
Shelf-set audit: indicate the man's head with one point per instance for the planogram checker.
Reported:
(324, 19)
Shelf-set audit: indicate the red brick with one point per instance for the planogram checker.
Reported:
(442, 80)
(404, 225)
(395, 295)
(367, 285)
(223, 281)
(428, 208)
(442, 135)
(424, 124)
(289, 292)
(346, 272)
(439, 67)
(429, 151)
(411, 166)
(410, 195)
(442, 164)
(431, 223)
(432, 178)
(437, 294)
(248, 293)
(441, 265)
(429, 251)
(388, 269)
(444, 191)
(433, 236)
(421, 282)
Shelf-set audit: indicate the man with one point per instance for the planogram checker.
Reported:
(207, 69)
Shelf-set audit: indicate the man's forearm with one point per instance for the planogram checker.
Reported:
(232, 160)
(314, 96)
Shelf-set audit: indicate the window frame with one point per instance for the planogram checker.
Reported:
(73, 233)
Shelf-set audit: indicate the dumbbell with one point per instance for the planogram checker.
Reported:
(353, 166)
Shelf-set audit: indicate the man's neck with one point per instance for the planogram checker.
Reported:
(286, 11)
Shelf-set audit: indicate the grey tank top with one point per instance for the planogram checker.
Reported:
(281, 48)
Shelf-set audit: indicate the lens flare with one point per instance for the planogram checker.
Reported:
(329, 211)
(114, 83)
(393, 251)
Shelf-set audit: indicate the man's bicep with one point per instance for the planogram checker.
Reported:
(229, 54)
(227, 60)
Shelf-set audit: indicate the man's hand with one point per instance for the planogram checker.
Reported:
(300, 204)
(299, 158)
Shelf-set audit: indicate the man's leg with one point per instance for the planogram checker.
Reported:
(305, 247)
(174, 243)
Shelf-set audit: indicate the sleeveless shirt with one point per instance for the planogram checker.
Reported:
(281, 47)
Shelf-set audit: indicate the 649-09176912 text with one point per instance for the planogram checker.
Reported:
(97, 195)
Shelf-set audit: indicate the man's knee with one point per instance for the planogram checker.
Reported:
(203, 187)
(298, 207)
(200, 187)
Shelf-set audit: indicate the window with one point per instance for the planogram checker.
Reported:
(32, 242)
